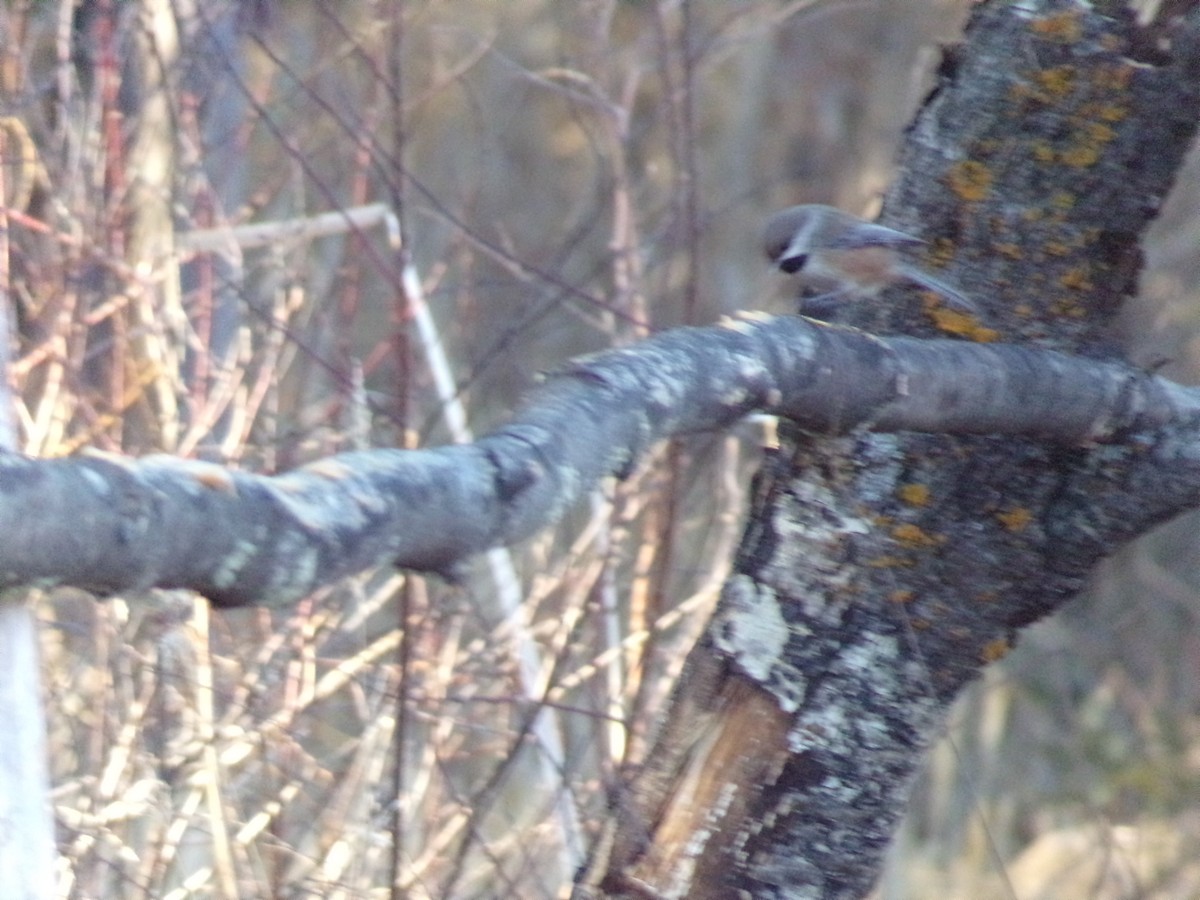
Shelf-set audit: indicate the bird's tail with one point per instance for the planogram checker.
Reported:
(925, 280)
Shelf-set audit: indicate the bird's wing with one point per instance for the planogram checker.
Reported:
(925, 280)
(869, 234)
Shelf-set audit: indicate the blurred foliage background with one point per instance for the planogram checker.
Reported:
(511, 185)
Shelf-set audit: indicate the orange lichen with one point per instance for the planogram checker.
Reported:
(1081, 156)
(902, 595)
(1067, 306)
(1055, 82)
(1089, 141)
(953, 321)
(995, 650)
(971, 180)
(1063, 200)
(941, 251)
(1076, 279)
(1113, 78)
(1015, 519)
(1043, 152)
(1108, 112)
(914, 494)
(1099, 133)
(890, 562)
(1063, 27)
(915, 536)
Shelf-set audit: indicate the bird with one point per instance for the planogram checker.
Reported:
(823, 244)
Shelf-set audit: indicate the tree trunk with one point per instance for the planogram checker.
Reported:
(879, 574)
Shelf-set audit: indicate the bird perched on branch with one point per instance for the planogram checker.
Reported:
(826, 246)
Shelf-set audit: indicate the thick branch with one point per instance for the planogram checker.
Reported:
(111, 524)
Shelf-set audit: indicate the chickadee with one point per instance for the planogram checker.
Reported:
(824, 244)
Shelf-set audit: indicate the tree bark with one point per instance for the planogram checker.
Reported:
(109, 524)
(880, 574)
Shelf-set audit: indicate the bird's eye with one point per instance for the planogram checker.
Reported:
(793, 264)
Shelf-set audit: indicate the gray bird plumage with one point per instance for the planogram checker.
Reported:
(824, 244)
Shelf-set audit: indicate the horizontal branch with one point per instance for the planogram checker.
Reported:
(110, 524)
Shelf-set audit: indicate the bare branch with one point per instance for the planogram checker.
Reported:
(245, 539)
